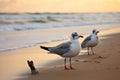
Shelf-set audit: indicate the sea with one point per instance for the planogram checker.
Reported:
(20, 30)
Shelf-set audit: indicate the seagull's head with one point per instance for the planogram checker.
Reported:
(95, 31)
(75, 35)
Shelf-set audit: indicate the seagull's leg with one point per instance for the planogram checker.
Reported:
(92, 51)
(70, 63)
(88, 51)
(65, 64)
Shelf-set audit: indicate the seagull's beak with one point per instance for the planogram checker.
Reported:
(80, 36)
(97, 31)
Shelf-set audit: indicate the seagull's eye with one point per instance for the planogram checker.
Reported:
(93, 31)
(74, 34)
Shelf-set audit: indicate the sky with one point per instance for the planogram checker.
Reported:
(76, 6)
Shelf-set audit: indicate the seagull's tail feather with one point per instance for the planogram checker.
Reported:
(45, 48)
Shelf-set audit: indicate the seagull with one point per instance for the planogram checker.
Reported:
(91, 41)
(67, 49)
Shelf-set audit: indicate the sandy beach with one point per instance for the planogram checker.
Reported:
(104, 65)
(26, 26)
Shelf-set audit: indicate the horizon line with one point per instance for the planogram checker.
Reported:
(52, 12)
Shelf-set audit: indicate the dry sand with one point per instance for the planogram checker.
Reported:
(105, 65)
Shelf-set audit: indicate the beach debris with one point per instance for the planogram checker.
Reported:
(82, 60)
(97, 61)
(100, 57)
(77, 60)
(85, 61)
(32, 67)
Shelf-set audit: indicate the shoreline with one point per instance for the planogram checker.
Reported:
(16, 60)
(21, 39)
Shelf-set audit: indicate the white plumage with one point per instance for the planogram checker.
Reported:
(68, 49)
(91, 41)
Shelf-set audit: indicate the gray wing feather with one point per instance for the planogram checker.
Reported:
(61, 49)
(84, 43)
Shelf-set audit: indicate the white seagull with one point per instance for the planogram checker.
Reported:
(67, 49)
(91, 41)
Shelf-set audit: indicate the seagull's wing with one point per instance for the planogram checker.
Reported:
(61, 49)
(84, 43)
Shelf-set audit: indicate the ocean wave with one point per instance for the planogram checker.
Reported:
(18, 24)
(43, 21)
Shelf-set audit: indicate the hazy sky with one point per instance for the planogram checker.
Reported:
(59, 5)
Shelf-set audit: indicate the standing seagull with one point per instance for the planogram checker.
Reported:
(91, 41)
(68, 49)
